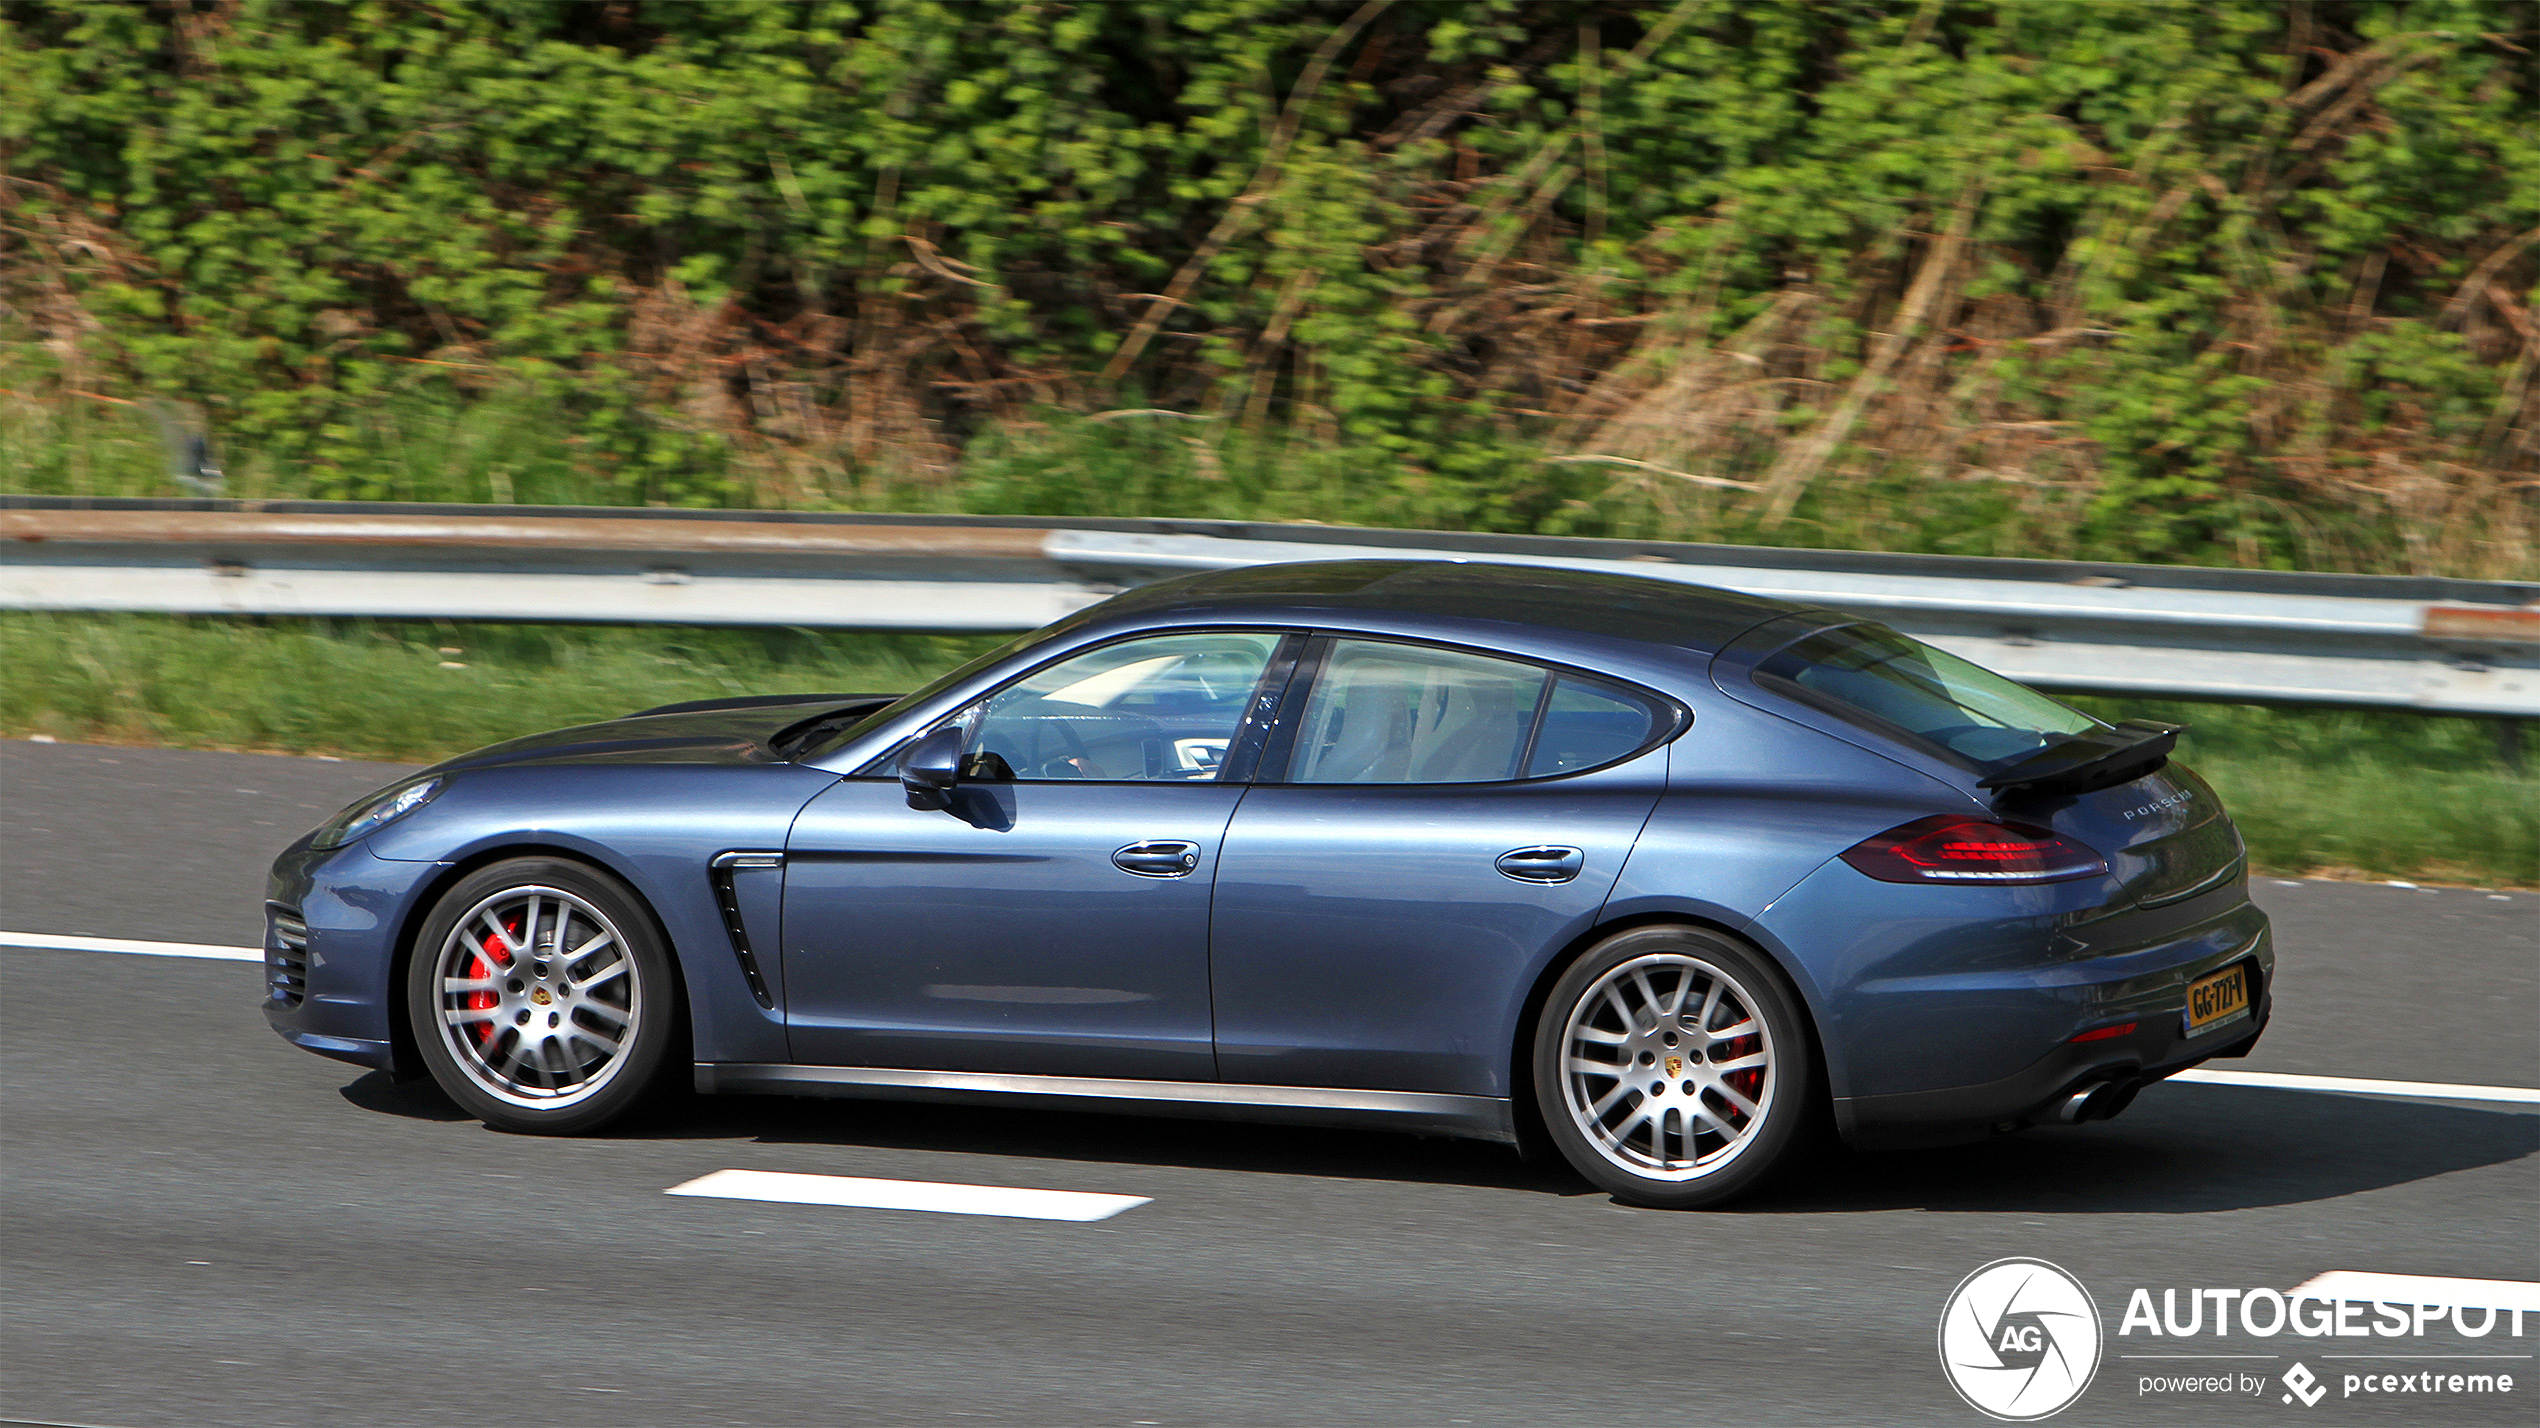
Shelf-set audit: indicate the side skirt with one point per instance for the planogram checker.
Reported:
(1470, 1117)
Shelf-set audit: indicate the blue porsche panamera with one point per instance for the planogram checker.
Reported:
(1656, 876)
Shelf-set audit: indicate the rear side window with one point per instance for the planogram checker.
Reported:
(1387, 713)
(1877, 678)
(1587, 724)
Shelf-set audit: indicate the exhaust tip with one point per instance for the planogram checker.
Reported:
(2098, 1101)
(2112, 1100)
(2075, 1108)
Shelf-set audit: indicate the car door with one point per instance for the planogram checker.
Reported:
(1054, 918)
(1429, 826)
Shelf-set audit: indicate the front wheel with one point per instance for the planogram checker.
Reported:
(1672, 1067)
(541, 997)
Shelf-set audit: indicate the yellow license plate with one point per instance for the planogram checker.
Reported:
(2219, 998)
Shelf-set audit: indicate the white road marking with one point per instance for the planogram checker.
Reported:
(2511, 1294)
(2428, 1090)
(928, 1195)
(55, 942)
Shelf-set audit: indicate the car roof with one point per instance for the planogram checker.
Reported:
(1643, 609)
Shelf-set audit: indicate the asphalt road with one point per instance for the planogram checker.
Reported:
(201, 1225)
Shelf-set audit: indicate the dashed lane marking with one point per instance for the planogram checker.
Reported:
(2358, 1085)
(56, 942)
(931, 1196)
(2518, 1296)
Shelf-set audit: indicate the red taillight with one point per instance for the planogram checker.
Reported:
(2106, 1033)
(1947, 848)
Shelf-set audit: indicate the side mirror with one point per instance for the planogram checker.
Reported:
(930, 768)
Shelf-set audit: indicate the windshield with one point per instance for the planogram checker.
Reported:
(835, 738)
(1877, 678)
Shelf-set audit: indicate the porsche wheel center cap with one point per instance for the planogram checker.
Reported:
(541, 996)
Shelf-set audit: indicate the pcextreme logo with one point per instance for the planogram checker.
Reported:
(2019, 1339)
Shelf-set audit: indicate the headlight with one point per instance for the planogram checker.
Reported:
(375, 812)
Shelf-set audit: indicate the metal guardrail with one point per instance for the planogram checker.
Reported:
(2434, 645)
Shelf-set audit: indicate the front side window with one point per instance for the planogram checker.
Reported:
(1872, 675)
(1165, 708)
(1389, 713)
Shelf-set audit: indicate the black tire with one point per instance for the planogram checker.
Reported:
(547, 1016)
(1701, 1149)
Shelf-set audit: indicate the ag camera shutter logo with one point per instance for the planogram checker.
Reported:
(2019, 1340)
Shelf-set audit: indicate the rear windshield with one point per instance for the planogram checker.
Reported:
(1879, 679)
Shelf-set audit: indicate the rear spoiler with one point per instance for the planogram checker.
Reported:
(2102, 758)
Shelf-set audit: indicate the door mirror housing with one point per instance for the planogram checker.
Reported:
(930, 768)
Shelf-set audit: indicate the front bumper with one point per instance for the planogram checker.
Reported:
(331, 928)
(378, 1055)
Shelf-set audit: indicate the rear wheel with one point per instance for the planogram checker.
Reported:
(541, 998)
(1672, 1067)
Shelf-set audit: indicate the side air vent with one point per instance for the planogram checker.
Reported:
(286, 956)
(724, 867)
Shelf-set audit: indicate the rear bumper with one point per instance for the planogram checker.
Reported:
(2045, 1091)
(2037, 1096)
(1946, 1012)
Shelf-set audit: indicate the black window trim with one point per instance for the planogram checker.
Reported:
(1669, 722)
(1534, 726)
(1242, 751)
(1261, 711)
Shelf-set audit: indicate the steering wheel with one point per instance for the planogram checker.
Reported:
(1079, 764)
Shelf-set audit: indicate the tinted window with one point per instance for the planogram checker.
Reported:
(1585, 725)
(1165, 708)
(1875, 676)
(1389, 713)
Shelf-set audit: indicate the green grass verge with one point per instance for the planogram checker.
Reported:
(406, 690)
(2363, 794)
(2359, 794)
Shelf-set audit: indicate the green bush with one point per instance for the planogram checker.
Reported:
(2234, 283)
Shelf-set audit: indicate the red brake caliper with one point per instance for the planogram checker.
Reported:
(1748, 1083)
(489, 959)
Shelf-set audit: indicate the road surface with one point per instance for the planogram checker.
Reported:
(202, 1225)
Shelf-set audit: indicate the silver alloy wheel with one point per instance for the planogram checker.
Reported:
(1666, 1067)
(539, 997)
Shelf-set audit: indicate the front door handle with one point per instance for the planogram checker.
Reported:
(1547, 864)
(1158, 858)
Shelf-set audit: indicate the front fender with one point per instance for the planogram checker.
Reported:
(657, 828)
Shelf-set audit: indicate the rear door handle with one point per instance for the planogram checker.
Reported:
(1546, 864)
(1158, 858)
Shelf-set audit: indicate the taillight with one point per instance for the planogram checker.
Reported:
(1947, 848)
